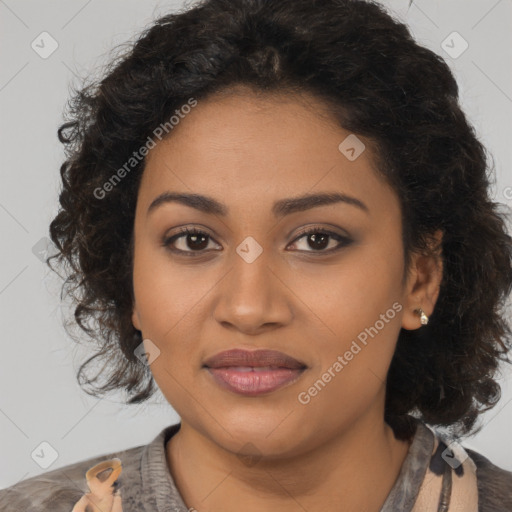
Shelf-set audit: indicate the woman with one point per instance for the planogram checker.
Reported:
(278, 212)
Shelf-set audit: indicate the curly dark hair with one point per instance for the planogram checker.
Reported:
(377, 82)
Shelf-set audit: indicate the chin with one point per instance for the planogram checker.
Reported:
(261, 438)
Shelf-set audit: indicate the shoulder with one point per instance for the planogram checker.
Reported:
(60, 489)
(494, 484)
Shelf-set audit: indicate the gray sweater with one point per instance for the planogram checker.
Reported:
(146, 484)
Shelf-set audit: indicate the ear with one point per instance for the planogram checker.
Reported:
(136, 318)
(423, 283)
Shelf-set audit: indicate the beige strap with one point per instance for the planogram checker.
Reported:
(100, 479)
(463, 492)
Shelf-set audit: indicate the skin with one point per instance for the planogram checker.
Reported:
(332, 451)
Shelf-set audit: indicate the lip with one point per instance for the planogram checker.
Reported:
(253, 372)
(254, 358)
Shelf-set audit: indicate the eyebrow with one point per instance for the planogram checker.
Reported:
(280, 208)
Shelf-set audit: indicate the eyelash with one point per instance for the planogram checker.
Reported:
(343, 240)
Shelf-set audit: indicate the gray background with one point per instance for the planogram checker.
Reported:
(40, 400)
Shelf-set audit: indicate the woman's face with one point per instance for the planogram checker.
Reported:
(253, 280)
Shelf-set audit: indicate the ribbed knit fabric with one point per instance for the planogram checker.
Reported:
(156, 478)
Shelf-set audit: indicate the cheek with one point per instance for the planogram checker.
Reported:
(165, 292)
(353, 353)
(166, 300)
(360, 308)
(351, 295)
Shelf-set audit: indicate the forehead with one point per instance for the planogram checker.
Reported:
(255, 146)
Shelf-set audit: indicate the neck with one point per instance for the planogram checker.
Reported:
(338, 474)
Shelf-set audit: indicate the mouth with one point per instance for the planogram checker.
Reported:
(254, 373)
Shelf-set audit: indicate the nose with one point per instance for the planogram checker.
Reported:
(252, 297)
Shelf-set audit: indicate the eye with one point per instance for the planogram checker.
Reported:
(193, 238)
(318, 239)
